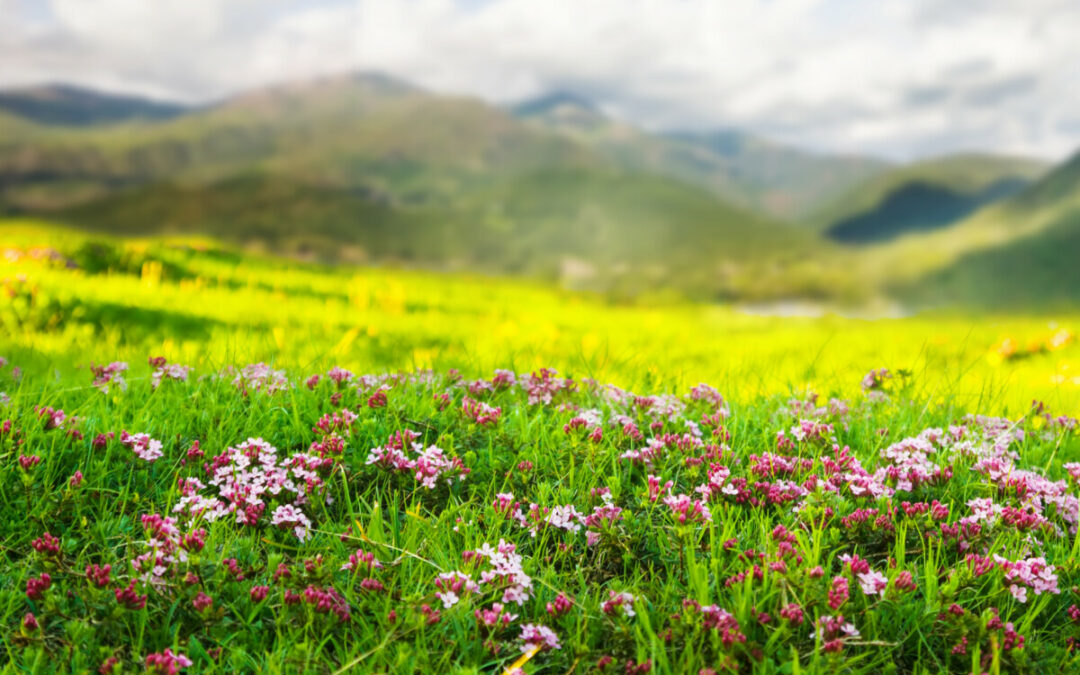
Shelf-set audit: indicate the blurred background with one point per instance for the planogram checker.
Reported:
(782, 155)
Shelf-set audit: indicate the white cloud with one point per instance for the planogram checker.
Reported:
(899, 77)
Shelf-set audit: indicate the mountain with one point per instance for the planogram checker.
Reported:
(563, 111)
(59, 104)
(364, 167)
(784, 181)
(1023, 253)
(924, 196)
(738, 167)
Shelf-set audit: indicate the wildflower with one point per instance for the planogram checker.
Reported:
(872, 583)
(504, 502)
(656, 489)
(856, 564)
(104, 376)
(30, 622)
(202, 602)
(494, 616)
(35, 586)
(793, 613)
(166, 663)
(688, 510)
(171, 371)
(561, 605)
(503, 379)
(1031, 573)
(46, 544)
(99, 576)
(260, 377)
(327, 600)
(377, 400)
(618, 603)
(362, 560)
(838, 594)
(722, 621)
(832, 630)
(129, 598)
(1011, 639)
(480, 413)
(505, 572)
(258, 593)
(432, 464)
(433, 616)
(452, 585)
(904, 582)
(538, 636)
(54, 418)
(146, 448)
(28, 462)
(76, 479)
(875, 379)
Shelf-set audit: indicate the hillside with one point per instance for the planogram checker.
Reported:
(65, 105)
(923, 196)
(591, 229)
(364, 167)
(787, 182)
(1026, 252)
(738, 167)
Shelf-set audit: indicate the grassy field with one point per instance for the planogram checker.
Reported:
(206, 306)
(467, 519)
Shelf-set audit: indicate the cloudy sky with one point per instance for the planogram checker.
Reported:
(899, 78)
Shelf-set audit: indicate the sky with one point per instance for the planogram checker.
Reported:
(902, 79)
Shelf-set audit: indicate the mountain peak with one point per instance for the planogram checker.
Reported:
(553, 102)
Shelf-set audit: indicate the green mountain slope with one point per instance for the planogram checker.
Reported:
(363, 167)
(924, 196)
(1023, 253)
(738, 167)
(599, 229)
(787, 182)
(66, 105)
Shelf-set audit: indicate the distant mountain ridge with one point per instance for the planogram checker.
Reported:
(926, 195)
(366, 167)
(68, 105)
(737, 166)
(369, 168)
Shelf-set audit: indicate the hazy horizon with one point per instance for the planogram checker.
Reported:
(902, 80)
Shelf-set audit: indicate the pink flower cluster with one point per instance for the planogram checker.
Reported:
(249, 479)
(144, 447)
(428, 465)
(105, 376)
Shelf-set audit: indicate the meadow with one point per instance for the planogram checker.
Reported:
(225, 462)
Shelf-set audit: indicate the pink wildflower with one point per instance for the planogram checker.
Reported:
(147, 449)
(166, 663)
(537, 636)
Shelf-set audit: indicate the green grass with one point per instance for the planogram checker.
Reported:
(86, 300)
(209, 306)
